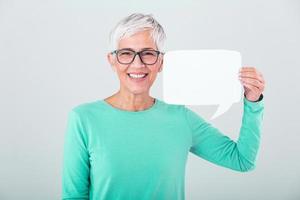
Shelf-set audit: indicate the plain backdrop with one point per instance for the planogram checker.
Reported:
(53, 57)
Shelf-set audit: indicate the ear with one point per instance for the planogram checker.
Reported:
(111, 60)
(161, 65)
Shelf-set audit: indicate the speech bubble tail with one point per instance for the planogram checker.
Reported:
(221, 109)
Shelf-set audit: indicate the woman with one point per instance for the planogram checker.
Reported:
(134, 146)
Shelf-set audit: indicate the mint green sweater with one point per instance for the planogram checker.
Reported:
(114, 154)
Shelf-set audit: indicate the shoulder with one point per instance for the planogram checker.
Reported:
(180, 111)
(173, 108)
(179, 108)
(184, 113)
(86, 108)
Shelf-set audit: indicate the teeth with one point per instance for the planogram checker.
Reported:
(137, 75)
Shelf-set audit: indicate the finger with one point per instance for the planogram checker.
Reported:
(259, 78)
(252, 88)
(253, 70)
(247, 69)
(254, 83)
(251, 75)
(250, 69)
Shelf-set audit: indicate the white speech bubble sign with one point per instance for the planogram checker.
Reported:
(202, 77)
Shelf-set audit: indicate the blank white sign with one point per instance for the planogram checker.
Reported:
(202, 77)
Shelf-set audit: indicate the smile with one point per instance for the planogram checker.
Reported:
(137, 77)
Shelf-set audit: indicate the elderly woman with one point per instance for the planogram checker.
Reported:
(131, 146)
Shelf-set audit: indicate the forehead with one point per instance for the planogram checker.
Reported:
(138, 41)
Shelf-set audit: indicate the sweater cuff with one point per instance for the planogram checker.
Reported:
(254, 105)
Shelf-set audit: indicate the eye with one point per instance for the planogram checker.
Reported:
(125, 53)
(149, 53)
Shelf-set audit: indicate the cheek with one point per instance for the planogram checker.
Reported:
(121, 72)
(124, 76)
(153, 75)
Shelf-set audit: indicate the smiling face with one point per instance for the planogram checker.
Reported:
(137, 42)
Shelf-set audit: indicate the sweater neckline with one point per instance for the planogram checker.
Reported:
(153, 107)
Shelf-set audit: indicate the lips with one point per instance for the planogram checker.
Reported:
(137, 73)
(137, 77)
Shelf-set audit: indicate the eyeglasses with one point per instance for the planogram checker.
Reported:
(127, 56)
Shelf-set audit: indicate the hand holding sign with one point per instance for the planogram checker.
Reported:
(253, 82)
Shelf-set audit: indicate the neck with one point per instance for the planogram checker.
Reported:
(130, 102)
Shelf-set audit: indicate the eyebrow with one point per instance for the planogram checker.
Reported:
(147, 48)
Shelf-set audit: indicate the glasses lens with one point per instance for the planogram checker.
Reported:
(125, 56)
(149, 56)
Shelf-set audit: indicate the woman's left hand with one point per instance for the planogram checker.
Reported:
(253, 82)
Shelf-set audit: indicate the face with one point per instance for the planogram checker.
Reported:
(136, 42)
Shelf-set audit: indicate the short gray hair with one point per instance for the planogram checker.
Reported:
(134, 23)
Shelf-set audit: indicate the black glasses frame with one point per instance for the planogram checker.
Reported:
(137, 53)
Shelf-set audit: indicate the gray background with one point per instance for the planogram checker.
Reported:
(53, 57)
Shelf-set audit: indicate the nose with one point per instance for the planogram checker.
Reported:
(137, 62)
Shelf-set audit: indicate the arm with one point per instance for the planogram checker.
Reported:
(75, 177)
(211, 144)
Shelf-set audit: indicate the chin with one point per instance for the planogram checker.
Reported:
(138, 90)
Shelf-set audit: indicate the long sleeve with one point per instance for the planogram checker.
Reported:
(75, 177)
(211, 144)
